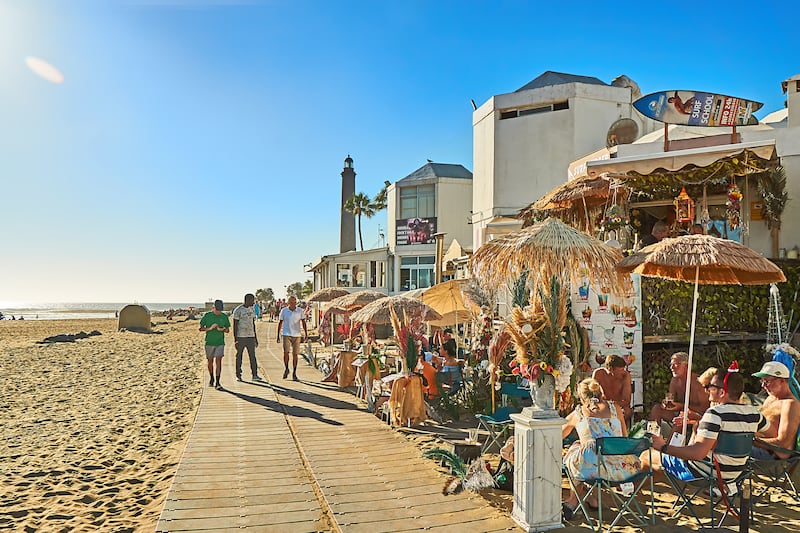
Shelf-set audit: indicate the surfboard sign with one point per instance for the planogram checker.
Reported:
(692, 108)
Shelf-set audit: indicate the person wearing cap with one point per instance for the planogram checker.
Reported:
(616, 382)
(244, 333)
(216, 324)
(780, 408)
(728, 415)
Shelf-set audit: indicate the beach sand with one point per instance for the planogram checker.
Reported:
(92, 431)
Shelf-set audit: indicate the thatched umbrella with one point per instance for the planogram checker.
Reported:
(327, 294)
(356, 300)
(706, 260)
(378, 312)
(546, 249)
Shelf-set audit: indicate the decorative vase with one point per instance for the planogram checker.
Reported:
(543, 392)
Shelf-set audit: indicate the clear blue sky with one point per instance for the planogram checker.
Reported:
(194, 147)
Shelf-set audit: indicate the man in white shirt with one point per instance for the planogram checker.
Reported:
(290, 321)
(244, 333)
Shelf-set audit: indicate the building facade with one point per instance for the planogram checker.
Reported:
(524, 141)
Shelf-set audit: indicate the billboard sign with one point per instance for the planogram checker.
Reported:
(415, 230)
(692, 108)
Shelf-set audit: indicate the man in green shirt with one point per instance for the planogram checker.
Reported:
(216, 324)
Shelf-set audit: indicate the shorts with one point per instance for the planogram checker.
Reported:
(293, 342)
(213, 352)
(677, 468)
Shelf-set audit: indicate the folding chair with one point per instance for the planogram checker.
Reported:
(623, 501)
(498, 425)
(775, 473)
(736, 445)
(512, 390)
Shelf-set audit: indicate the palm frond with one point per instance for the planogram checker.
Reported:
(454, 462)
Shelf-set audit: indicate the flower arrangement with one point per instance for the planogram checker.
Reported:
(614, 218)
(538, 336)
(734, 205)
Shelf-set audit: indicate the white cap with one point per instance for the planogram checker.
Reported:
(774, 369)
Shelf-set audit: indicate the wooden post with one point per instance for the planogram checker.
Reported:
(666, 137)
(733, 134)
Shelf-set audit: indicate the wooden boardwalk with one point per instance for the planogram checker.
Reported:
(303, 456)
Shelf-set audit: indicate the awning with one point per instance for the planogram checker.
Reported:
(678, 159)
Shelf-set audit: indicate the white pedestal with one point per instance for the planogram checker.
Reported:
(537, 470)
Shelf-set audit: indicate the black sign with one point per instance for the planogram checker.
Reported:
(415, 231)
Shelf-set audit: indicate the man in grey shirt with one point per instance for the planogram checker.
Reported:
(244, 333)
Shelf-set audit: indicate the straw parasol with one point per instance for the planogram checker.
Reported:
(706, 260)
(378, 311)
(327, 294)
(546, 249)
(355, 300)
(716, 261)
(448, 299)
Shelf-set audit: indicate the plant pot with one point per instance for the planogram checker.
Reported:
(543, 393)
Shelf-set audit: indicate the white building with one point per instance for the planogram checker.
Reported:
(524, 141)
(434, 199)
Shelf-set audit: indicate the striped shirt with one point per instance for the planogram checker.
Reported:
(728, 418)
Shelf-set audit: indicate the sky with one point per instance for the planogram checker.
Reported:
(193, 148)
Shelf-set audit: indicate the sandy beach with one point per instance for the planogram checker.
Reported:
(93, 430)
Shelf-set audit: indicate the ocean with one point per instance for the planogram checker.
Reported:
(83, 310)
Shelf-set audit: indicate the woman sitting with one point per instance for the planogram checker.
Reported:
(593, 418)
(450, 369)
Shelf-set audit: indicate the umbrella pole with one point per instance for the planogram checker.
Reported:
(691, 354)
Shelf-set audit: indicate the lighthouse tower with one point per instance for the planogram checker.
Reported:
(347, 227)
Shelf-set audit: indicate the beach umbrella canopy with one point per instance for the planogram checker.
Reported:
(546, 249)
(378, 312)
(448, 300)
(702, 259)
(327, 294)
(355, 300)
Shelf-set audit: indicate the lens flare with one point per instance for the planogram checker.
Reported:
(44, 70)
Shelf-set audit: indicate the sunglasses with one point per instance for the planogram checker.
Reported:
(767, 381)
(710, 385)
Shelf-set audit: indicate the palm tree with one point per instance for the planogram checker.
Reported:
(265, 295)
(360, 205)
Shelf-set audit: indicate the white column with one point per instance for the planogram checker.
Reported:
(537, 470)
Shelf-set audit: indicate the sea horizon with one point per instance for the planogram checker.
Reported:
(81, 310)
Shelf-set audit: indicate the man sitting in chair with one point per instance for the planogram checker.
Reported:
(728, 416)
(698, 400)
(781, 409)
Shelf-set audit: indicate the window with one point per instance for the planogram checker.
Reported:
(514, 113)
(416, 272)
(359, 275)
(343, 274)
(417, 201)
(377, 274)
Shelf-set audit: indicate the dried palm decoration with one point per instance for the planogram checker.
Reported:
(546, 249)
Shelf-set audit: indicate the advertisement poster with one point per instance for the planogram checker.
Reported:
(416, 231)
(692, 108)
(614, 325)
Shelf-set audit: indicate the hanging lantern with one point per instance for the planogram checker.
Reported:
(684, 207)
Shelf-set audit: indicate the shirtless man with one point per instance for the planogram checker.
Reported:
(616, 382)
(781, 409)
(698, 399)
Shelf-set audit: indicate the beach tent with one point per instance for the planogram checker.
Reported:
(135, 317)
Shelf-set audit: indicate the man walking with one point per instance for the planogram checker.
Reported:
(216, 324)
(290, 320)
(244, 333)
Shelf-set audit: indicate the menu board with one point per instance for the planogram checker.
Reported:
(614, 325)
